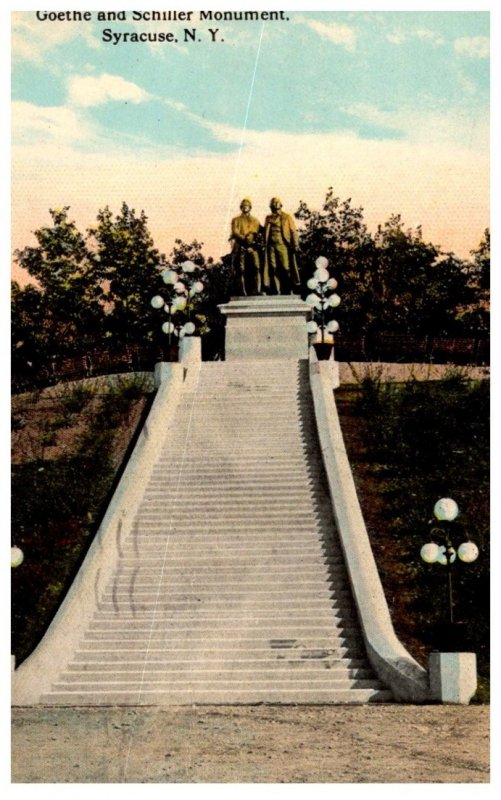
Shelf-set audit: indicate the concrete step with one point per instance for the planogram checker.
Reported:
(177, 673)
(228, 589)
(241, 531)
(208, 593)
(165, 561)
(235, 491)
(211, 597)
(286, 572)
(289, 505)
(162, 614)
(248, 649)
(242, 535)
(161, 629)
(199, 638)
(262, 515)
(162, 536)
(264, 560)
(304, 526)
(221, 696)
(284, 575)
(352, 668)
(209, 681)
(165, 539)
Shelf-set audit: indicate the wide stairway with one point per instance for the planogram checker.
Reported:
(231, 586)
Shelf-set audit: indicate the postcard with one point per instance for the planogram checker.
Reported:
(250, 394)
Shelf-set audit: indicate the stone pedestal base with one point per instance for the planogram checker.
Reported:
(266, 327)
(453, 677)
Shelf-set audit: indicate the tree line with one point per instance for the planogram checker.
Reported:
(92, 290)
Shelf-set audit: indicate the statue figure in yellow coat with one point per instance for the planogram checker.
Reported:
(246, 235)
(281, 241)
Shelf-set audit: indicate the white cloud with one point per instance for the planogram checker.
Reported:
(32, 40)
(397, 37)
(467, 85)
(472, 46)
(422, 125)
(339, 34)
(95, 91)
(58, 124)
(430, 36)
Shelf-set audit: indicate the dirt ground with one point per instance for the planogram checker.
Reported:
(252, 744)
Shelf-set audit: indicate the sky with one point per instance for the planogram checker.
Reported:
(390, 108)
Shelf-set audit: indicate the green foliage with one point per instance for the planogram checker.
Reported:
(59, 421)
(411, 444)
(120, 395)
(474, 314)
(65, 312)
(127, 266)
(57, 501)
(392, 281)
(76, 398)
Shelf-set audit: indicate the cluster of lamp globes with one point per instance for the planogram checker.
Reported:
(322, 297)
(446, 510)
(183, 290)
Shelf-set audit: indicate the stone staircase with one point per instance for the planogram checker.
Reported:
(231, 586)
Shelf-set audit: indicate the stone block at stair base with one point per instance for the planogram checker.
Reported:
(266, 327)
(453, 677)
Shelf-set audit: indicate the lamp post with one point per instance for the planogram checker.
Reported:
(181, 286)
(323, 299)
(441, 550)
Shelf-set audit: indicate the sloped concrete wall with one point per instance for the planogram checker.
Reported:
(393, 664)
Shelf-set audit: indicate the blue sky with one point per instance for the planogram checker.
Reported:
(390, 108)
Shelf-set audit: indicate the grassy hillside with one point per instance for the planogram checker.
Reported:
(68, 445)
(410, 444)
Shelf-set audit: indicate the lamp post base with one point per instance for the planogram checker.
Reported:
(453, 677)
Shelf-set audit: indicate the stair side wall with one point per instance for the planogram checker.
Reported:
(392, 663)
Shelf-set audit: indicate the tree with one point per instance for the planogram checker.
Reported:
(474, 314)
(389, 282)
(339, 233)
(29, 346)
(127, 266)
(65, 313)
(418, 286)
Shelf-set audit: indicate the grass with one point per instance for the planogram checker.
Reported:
(410, 444)
(66, 456)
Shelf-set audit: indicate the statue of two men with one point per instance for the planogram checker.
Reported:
(264, 257)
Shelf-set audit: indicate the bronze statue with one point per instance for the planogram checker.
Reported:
(281, 274)
(246, 235)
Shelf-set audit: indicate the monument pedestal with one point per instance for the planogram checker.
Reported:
(263, 327)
